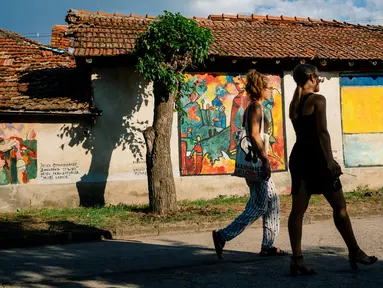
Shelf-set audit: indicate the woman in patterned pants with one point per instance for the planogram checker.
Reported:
(264, 200)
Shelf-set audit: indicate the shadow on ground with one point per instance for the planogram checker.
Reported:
(26, 232)
(116, 264)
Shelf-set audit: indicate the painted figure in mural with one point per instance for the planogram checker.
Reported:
(17, 155)
(191, 124)
(217, 116)
(268, 105)
(264, 200)
(195, 88)
(314, 170)
(197, 155)
(238, 108)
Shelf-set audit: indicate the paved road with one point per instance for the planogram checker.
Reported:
(188, 260)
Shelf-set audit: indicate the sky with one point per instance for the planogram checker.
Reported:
(30, 17)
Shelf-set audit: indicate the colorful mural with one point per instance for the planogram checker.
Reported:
(18, 154)
(362, 110)
(214, 106)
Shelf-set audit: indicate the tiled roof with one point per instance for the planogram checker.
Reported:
(58, 39)
(101, 34)
(34, 77)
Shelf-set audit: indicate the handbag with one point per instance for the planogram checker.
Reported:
(248, 164)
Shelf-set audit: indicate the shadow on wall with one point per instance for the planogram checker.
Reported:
(52, 89)
(120, 94)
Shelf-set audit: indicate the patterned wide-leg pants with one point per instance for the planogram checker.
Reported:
(264, 201)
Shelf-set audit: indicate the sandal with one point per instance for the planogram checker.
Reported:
(274, 251)
(295, 269)
(219, 243)
(354, 260)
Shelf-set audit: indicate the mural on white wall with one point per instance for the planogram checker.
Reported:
(18, 153)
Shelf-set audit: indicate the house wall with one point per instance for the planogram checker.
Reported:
(60, 166)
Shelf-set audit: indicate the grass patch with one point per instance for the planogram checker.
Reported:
(201, 211)
(220, 200)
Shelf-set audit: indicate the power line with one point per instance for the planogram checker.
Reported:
(38, 34)
(34, 33)
(45, 36)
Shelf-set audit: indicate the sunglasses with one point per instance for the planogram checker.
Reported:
(272, 89)
(320, 79)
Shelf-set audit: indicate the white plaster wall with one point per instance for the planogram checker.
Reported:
(127, 104)
(54, 147)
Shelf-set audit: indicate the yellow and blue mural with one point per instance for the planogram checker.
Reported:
(362, 119)
(214, 106)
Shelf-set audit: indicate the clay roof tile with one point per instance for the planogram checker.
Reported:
(235, 35)
(37, 77)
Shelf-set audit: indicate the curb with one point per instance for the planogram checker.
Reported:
(208, 227)
(195, 228)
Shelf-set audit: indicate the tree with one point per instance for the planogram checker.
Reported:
(170, 44)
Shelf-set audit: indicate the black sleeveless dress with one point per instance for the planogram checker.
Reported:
(307, 161)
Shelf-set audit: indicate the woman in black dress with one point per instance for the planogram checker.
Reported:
(314, 170)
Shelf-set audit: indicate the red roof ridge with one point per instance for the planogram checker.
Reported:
(256, 17)
(20, 38)
(227, 17)
(60, 26)
(32, 43)
(115, 14)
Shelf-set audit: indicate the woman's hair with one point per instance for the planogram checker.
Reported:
(256, 82)
(301, 75)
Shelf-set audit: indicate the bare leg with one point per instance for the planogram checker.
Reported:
(341, 218)
(299, 207)
(343, 224)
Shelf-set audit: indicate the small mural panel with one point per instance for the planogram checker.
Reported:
(362, 110)
(18, 153)
(214, 106)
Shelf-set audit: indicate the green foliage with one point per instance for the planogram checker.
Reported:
(169, 45)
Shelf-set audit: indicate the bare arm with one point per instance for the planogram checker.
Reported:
(254, 124)
(324, 136)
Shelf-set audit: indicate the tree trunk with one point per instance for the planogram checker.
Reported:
(162, 192)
